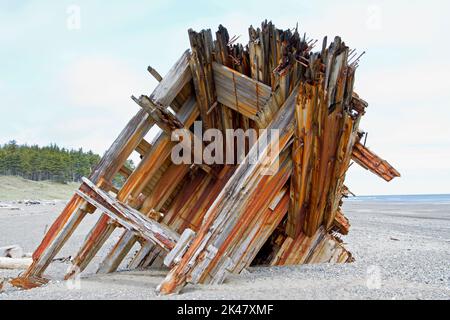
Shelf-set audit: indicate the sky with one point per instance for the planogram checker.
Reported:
(68, 69)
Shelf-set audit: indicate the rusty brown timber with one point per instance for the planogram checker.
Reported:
(203, 222)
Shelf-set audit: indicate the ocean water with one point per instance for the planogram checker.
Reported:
(419, 198)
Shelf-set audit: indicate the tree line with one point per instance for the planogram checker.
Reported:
(51, 162)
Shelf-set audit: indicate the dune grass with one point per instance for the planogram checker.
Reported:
(17, 188)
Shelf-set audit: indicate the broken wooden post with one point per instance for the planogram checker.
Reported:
(15, 263)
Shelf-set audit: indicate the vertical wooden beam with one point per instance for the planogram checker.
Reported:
(76, 209)
(201, 68)
(303, 154)
(372, 162)
(263, 228)
(132, 188)
(238, 237)
(223, 57)
(190, 206)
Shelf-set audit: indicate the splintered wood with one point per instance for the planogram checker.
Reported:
(271, 206)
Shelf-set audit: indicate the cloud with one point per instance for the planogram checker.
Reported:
(96, 90)
(408, 82)
(100, 81)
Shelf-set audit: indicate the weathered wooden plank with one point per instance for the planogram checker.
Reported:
(166, 120)
(176, 253)
(143, 147)
(103, 229)
(304, 157)
(175, 80)
(191, 205)
(128, 217)
(118, 252)
(165, 186)
(225, 210)
(262, 230)
(372, 162)
(222, 56)
(154, 73)
(240, 92)
(331, 122)
(202, 74)
(138, 259)
(233, 243)
(157, 155)
(342, 162)
(132, 188)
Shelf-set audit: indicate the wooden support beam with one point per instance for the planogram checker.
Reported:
(336, 189)
(132, 188)
(238, 241)
(166, 185)
(263, 228)
(175, 80)
(190, 207)
(225, 210)
(120, 250)
(169, 122)
(143, 147)
(302, 156)
(222, 56)
(55, 238)
(137, 260)
(166, 120)
(127, 217)
(202, 74)
(176, 253)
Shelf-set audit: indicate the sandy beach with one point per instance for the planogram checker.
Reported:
(402, 251)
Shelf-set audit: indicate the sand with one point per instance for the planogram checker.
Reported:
(402, 251)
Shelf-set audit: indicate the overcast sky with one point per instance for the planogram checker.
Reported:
(71, 86)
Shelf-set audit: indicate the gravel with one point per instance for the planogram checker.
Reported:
(402, 251)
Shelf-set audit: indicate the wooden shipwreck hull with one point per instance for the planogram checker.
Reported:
(205, 221)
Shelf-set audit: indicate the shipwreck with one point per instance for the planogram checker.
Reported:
(202, 222)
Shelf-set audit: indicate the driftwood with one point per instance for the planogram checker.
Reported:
(15, 263)
(11, 252)
(277, 202)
